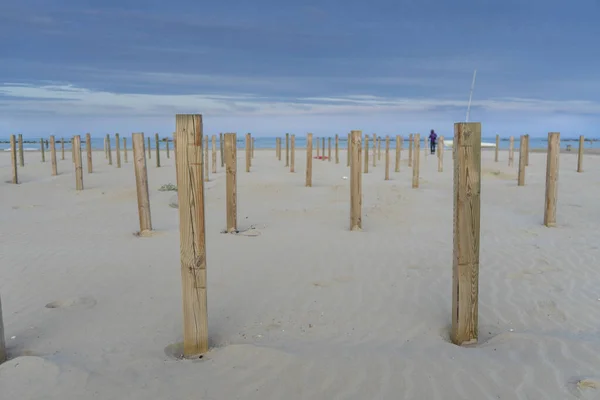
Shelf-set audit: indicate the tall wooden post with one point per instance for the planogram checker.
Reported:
(141, 181)
(329, 149)
(527, 150)
(497, 148)
(118, 149)
(21, 156)
(416, 145)
(108, 149)
(337, 148)
(78, 163)
(149, 148)
(398, 152)
(15, 180)
(356, 183)
(387, 158)
(192, 233)
(88, 148)
(42, 150)
(157, 141)
(2, 342)
(205, 159)
(231, 180)
(410, 150)
(323, 148)
(379, 148)
(222, 149)
(125, 150)
(579, 154)
(62, 148)
(53, 156)
(309, 160)
(366, 168)
(522, 158)
(293, 153)
(467, 202)
(248, 152)
(287, 149)
(511, 151)
(214, 153)
(440, 154)
(552, 178)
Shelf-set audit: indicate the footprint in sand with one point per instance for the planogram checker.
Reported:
(75, 302)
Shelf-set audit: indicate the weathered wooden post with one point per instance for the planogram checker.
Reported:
(467, 202)
(276, 147)
(231, 180)
(88, 148)
(149, 149)
(417, 145)
(410, 150)
(222, 149)
(356, 182)
(42, 150)
(323, 148)
(398, 152)
(379, 148)
(287, 149)
(141, 182)
(21, 156)
(329, 149)
(579, 154)
(309, 160)
(337, 148)
(167, 148)
(15, 180)
(440, 151)
(192, 233)
(62, 147)
(157, 142)
(318, 146)
(279, 156)
(511, 151)
(522, 163)
(205, 159)
(366, 168)
(248, 152)
(108, 149)
(78, 163)
(53, 156)
(387, 158)
(293, 153)
(552, 179)
(125, 149)
(2, 342)
(214, 153)
(497, 148)
(118, 149)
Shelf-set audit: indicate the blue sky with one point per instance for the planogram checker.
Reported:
(270, 67)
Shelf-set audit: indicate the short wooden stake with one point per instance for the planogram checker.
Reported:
(366, 168)
(15, 180)
(125, 149)
(149, 149)
(231, 180)
(387, 158)
(248, 152)
(2, 342)
(374, 150)
(309, 160)
(62, 148)
(440, 154)
(88, 148)
(410, 150)
(214, 153)
(522, 158)
(416, 145)
(222, 149)
(78, 163)
(337, 148)
(21, 156)
(118, 149)
(552, 178)
(53, 156)
(141, 181)
(467, 202)
(511, 151)
(108, 149)
(287, 149)
(356, 182)
(192, 233)
(497, 148)
(398, 153)
(579, 154)
(205, 159)
(292, 153)
(42, 149)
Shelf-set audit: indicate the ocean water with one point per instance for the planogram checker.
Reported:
(269, 142)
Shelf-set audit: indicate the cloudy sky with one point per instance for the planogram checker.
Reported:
(328, 66)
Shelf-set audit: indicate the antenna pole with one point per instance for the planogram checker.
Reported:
(471, 96)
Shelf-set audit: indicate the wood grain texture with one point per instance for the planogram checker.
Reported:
(21, 156)
(309, 160)
(78, 163)
(356, 182)
(387, 158)
(552, 161)
(88, 150)
(190, 190)
(366, 168)
(53, 156)
(467, 202)
(580, 154)
(231, 180)
(118, 149)
(15, 175)
(141, 181)
(522, 158)
(417, 154)
(293, 153)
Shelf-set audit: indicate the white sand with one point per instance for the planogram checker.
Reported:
(307, 309)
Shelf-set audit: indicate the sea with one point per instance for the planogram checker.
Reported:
(31, 143)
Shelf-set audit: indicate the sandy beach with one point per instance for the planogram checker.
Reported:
(299, 306)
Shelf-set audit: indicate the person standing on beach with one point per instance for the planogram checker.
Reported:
(432, 141)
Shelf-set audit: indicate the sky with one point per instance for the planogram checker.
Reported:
(270, 67)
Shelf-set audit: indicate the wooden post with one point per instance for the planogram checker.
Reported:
(118, 149)
(62, 147)
(348, 151)
(398, 152)
(78, 163)
(293, 153)
(105, 148)
(337, 148)
(417, 145)
(149, 149)
(222, 148)
(214, 153)
(511, 151)
(374, 150)
(387, 158)
(157, 142)
(21, 156)
(522, 158)
(167, 148)
(276, 147)
(467, 202)
(440, 154)
(205, 159)
(88, 148)
(231, 181)
(15, 180)
(379, 148)
(42, 150)
(287, 149)
(309, 160)
(53, 156)
(318, 146)
(410, 150)
(579, 154)
(356, 183)
(329, 149)
(2, 342)
(249, 153)
(192, 233)
(141, 181)
(323, 148)
(109, 151)
(552, 178)
(125, 149)
(366, 168)
(279, 156)
(497, 148)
